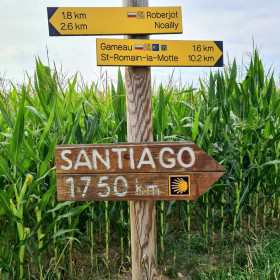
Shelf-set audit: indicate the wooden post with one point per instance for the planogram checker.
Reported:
(140, 129)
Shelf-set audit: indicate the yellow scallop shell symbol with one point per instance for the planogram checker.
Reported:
(180, 186)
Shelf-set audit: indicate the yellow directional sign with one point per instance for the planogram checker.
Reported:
(118, 52)
(109, 21)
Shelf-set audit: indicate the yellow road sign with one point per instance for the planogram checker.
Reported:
(109, 21)
(118, 52)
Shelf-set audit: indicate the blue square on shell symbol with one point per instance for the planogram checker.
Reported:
(156, 47)
(179, 185)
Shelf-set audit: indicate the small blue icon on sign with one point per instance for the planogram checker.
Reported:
(156, 47)
(179, 185)
(164, 47)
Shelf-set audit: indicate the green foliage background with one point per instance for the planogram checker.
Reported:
(235, 121)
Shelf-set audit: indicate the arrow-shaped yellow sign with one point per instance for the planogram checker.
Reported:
(118, 52)
(110, 21)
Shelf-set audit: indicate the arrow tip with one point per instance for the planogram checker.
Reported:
(220, 62)
(52, 30)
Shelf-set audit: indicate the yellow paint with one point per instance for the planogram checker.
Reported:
(102, 21)
(179, 185)
(118, 52)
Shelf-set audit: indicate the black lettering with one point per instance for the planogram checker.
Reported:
(63, 26)
(157, 25)
(104, 57)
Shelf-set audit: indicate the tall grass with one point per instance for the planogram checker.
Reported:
(235, 121)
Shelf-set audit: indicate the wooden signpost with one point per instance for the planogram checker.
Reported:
(112, 21)
(136, 171)
(152, 171)
(118, 52)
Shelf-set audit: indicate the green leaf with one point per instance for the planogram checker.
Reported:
(4, 168)
(185, 103)
(195, 127)
(185, 91)
(73, 212)
(61, 205)
(46, 197)
(50, 155)
(267, 129)
(6, 117)
(269, 90)
(63, 231)
(5, 203)
(45, 174)
(272, 162)
(47, 128)
(18, 133)
(35, 112)
(204, 132)
(232, 79)
(273, 109)
(73, 126)
(40, 84)
(30, 151)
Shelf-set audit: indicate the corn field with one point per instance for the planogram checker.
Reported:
(235, 120)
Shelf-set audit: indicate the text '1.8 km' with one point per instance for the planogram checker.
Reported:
(108, 21)
(133, 171)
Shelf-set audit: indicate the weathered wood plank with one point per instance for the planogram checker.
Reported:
(140, 186)
(133, 157)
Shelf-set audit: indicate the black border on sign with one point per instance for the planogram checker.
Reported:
(220, 62)
(52, 30)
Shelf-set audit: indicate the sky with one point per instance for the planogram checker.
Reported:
(239, 24)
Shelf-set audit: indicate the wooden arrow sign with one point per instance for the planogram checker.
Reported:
(117, 52)
(111, 21)
(134, 171)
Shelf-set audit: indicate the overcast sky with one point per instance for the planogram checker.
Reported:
(24, 35)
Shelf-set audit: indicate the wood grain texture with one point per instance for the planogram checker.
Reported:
(140, 186)
(130, 164)
(140, 129)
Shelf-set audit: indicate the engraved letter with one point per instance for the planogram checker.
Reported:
(116, 186)
(103, 185)
(151, 187)
(138, 188)
(88, 179)
(171, 160)
(105, 162)
(78, 163)
(132, 165)
(66, 159)
(179, 157)
(119, 151)
(71, 181)
(145, 152)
